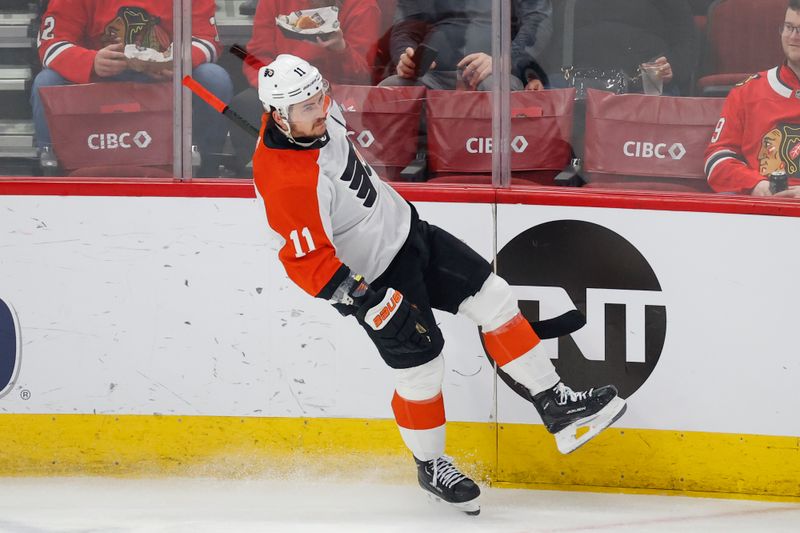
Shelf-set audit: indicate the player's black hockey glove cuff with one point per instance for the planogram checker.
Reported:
(393, 324)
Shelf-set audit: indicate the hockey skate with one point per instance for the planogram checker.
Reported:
(565, 411)
(443, 482)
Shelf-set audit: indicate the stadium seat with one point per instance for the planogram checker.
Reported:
(741, 39)
(384, 124)
(652, 143)
(460, 134)
(110, 124)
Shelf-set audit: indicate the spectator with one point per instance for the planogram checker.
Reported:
(755, 148)
(461, 33)
(623, 34)
(82, 41)
(346, 58)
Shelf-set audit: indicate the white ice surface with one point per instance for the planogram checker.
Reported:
(81, 505)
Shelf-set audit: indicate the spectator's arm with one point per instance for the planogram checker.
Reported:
(263, 43)
(680, 34)
(205, 39)
(535, 30)
(726, 168)
(360, 32)
(409, 28)
(60, 35)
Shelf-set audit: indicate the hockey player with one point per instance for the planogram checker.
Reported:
(756, 144)
(349, 238)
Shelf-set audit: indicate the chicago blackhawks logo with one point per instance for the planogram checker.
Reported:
(134, 25)
(780, 151)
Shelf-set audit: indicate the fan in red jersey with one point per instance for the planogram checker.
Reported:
(83, 41)
(755, 148)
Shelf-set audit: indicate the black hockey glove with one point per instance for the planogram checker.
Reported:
(394, 325)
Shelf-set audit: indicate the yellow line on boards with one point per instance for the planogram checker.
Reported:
(505, 455)
(684, 461)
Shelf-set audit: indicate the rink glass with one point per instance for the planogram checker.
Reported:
(502, 136)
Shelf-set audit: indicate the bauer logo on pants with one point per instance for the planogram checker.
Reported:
(9, 348)
(571, 264)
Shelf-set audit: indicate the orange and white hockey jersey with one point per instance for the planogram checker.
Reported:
(73, 30)
(329, 207)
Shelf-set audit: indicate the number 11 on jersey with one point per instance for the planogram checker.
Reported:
(298, 246)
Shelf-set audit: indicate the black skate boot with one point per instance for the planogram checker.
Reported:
(442, 481)
(564, 411)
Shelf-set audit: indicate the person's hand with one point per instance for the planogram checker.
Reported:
(761, 189)
(334, 42)
(534, 85)
(110, 61)
(406, 67)
(791, 192)
(476, 68)
(664, 69)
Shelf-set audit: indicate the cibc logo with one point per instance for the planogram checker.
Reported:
(483, 145)
(564, 265)
(9, 348)
(113, 141)
(648, 150)
(365, 139)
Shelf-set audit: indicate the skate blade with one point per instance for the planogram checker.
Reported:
(471, 507)
(567, 439)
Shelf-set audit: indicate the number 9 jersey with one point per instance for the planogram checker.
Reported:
(758, 133)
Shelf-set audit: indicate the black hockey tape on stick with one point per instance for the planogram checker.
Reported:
(559, 326)
(211, 99)
(249, 59)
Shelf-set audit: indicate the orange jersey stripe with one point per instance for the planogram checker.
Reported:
(511, 340)
(427, 414)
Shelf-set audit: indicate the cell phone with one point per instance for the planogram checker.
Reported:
(424, 56)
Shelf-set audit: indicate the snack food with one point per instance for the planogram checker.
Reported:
(148, 60)
(306, 23)
(310, 24)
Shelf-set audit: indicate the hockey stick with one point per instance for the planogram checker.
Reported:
(211, 99)
(559, 326)
(249, 59)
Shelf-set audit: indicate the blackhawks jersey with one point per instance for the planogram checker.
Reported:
(758, 133)
(330, 209)
(73, 30)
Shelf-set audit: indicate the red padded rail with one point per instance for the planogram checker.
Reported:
(563, 196)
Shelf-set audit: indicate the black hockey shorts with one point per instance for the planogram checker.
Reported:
(433, 270)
